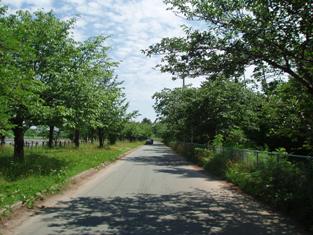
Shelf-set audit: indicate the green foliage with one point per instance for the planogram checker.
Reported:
(287, 118)
(242, 116)
(218, 141)
(218, 164)
(203, 156)
(160, 130)
(281, 183)
(185, 150)
(137, 130)
(285, 185)
(275, 39)
(236, 137)
(47, 78)
(217, 107)
(274, 35)
(174, 109)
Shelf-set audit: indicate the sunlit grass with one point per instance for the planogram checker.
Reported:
(45, 171)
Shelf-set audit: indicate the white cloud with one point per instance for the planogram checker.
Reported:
(14, 3)
(30, 4)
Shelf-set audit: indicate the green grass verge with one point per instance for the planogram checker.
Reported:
(46, 171)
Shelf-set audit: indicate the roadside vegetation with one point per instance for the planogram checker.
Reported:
(255, 58)
(285, 184)
(50, 81)
(54, 88)
(46, 171)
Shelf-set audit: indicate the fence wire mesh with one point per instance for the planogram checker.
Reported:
(249, 155)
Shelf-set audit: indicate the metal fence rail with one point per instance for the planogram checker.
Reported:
(34, 143)
(249, 155)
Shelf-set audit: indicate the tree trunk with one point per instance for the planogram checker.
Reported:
(112, 139)
(51, 135)
(76, 137)
(2, 139)
(101, 137)
(93, 135)
(18, 142)
(191, 138)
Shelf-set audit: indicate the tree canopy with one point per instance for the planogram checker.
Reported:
(269, 35)
(48, 78)
(272, 108)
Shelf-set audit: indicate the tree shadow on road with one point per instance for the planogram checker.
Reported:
(164, 160)
(170, 163)
(185, 213)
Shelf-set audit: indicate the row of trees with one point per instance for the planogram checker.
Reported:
(138, 130)
(274, 39)
(48, 78)
(280, 117)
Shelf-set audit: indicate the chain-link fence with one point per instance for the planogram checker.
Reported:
(247, 155)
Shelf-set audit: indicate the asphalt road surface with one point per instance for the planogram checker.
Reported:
(153, 191)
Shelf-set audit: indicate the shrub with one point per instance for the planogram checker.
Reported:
(236, 137)
(218, 164)
(202, 156)
(218, 141)
(282, 184)
(279, 182)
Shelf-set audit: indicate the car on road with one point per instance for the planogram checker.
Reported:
(149, 141)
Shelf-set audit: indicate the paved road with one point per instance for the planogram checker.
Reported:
(153, 191)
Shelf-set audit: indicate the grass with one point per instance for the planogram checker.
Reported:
(46, 171)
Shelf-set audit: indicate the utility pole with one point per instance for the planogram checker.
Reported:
(183, 77)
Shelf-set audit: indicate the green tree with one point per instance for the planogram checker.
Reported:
(287, 116)
(176, 109)
(137, 130)
(277, 35)
(7, 43)
(90, 67)
(23, 88)
(112, 113)
(217, 107)
(53, 48)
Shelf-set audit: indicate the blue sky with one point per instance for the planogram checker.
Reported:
(133, 26)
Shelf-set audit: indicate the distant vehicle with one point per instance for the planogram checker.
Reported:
(149, 141)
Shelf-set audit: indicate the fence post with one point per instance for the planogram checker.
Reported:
(277, 158)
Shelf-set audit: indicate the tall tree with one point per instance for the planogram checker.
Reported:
(23, 87)
(54, 49)
(7, 43)
(217, 107)
(90, 64)
(240, 33)
(112, 111)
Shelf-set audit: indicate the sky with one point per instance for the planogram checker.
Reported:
(133, 25)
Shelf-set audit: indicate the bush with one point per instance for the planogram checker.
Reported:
(282, 184)
(202, 156)
(213, 162)
(236, 137)
(218, 164)
(186, 150)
